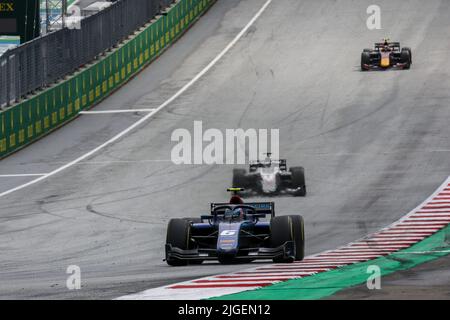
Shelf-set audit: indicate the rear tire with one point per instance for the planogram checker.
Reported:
(365, 60)
(194, 220)
(178, 235)
(240, 178)
(298, 180)
(367, 50)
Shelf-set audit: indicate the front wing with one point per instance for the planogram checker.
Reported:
(284, 251)
(398, 65)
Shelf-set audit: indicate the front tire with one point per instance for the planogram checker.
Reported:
(178, 235)
(194, 220)
(410, 53)
(288, 228)
(299, 236)
(365, 60)
(406, 59)
(281, 229)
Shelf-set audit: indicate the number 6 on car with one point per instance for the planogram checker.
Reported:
(228, 233)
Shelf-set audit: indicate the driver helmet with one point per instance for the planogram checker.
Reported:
(240, 212)
(235, 214)
(235, 199)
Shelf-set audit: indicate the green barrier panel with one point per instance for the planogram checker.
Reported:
(31, 119)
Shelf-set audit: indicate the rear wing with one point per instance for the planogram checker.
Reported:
(283, 166)
(280, 162)
(395, 45)
(264, 208)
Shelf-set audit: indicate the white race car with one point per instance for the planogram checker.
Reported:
(271, 177)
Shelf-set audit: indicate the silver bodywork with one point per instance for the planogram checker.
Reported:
(269, 175)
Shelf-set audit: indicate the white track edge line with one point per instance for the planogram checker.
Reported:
(116, 111)
(151, 114)
(22, 175)
(399, 221)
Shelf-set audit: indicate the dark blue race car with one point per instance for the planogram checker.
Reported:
(236, 232)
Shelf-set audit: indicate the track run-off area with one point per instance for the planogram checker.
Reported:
(98, 193)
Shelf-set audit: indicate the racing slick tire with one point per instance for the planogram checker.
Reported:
(178, 235)
(299, 236)
(410, 53)
(367, 50)
(281, 229)
(298, 180)
(194, 220)
(365, 60)
(240, 178)
(288, 228)
(406, 59)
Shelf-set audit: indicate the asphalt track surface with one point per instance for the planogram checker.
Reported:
(374, 144)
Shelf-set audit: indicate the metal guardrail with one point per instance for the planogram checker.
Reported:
(41, 62)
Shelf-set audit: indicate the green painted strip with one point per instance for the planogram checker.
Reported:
(327, 283)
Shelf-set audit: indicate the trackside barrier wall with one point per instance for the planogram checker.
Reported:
(42, 61)
(37, 116)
